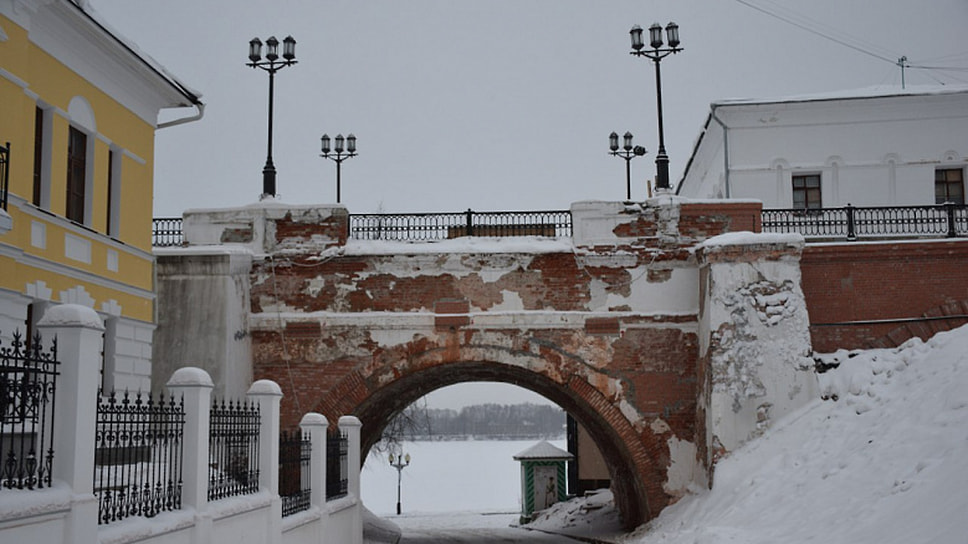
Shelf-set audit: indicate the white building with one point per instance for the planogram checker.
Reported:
(872, 147)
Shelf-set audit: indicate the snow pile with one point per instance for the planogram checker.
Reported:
(593, 515)
(883, 459)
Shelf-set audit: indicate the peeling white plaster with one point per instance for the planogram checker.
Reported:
(659, 426)
(758, 344)
(684, 473)
(510, 301)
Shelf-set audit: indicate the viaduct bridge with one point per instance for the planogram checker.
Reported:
(665, 328)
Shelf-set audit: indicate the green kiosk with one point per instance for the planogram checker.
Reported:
(542, 477)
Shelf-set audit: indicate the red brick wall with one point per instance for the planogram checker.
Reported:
(878, 286)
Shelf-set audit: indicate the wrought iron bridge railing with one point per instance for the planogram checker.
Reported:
(849, 222)
(442, 226)
(166, 232)
(882, 222)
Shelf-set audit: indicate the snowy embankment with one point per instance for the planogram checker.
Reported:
(883, 458)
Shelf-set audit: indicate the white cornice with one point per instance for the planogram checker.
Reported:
(69, 36)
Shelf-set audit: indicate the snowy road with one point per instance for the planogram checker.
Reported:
(481, 536)
(469, 528)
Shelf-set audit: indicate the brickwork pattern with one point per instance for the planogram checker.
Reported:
(865, 283)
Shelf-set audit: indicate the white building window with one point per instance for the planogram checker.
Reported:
(949, 186)
(806, 192)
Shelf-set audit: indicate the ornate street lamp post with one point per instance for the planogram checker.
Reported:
(628, 152)
(337, 154)
(657, 54)
(402, 462)
(271, 64)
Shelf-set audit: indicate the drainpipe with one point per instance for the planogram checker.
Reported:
(725, 148)
(201, 112)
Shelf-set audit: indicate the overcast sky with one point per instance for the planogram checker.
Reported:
(497, 104)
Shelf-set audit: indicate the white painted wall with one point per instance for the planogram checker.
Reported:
(870, 148)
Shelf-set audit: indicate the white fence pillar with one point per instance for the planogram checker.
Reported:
(194, 385)
(78, 331)
(351, 426)
(316, 426)
(268, 395)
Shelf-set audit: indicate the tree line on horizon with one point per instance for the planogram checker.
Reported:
(480, 421)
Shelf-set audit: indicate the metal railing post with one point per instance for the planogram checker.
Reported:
(851, 232)
(949, 208)
(470, 222)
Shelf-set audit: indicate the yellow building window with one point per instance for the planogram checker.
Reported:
(76, 172)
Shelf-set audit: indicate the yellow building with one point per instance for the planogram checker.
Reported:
(79, 108)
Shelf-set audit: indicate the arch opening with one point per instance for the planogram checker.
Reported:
(453, 451)
(629, 461)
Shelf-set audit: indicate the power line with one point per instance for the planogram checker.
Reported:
(811, 30)
(819, 29)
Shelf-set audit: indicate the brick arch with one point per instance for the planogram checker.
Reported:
(379, 392)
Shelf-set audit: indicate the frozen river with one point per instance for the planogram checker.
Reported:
(448, 477)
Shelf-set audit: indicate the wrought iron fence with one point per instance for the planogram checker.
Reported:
(138, 455)
(295, 451)
(337, 480)
(4, 175)
(233, 447)
(166, 232)
(442, 226)
(28, 380)
(852, 222)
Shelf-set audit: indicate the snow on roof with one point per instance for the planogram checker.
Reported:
(85, 7)
(877, 91)
(543, 450)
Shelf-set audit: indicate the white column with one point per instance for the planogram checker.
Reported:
(351, 426)
(78, 331)
(268, 395)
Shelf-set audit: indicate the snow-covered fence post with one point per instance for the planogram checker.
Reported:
(194, 386)
(78, 331)
(316, 426)
(268, 395)
(350, 425)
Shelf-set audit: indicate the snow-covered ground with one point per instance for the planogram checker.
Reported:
(885, 462)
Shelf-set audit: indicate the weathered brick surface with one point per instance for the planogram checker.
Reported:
(850, 287)
(369, 334)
